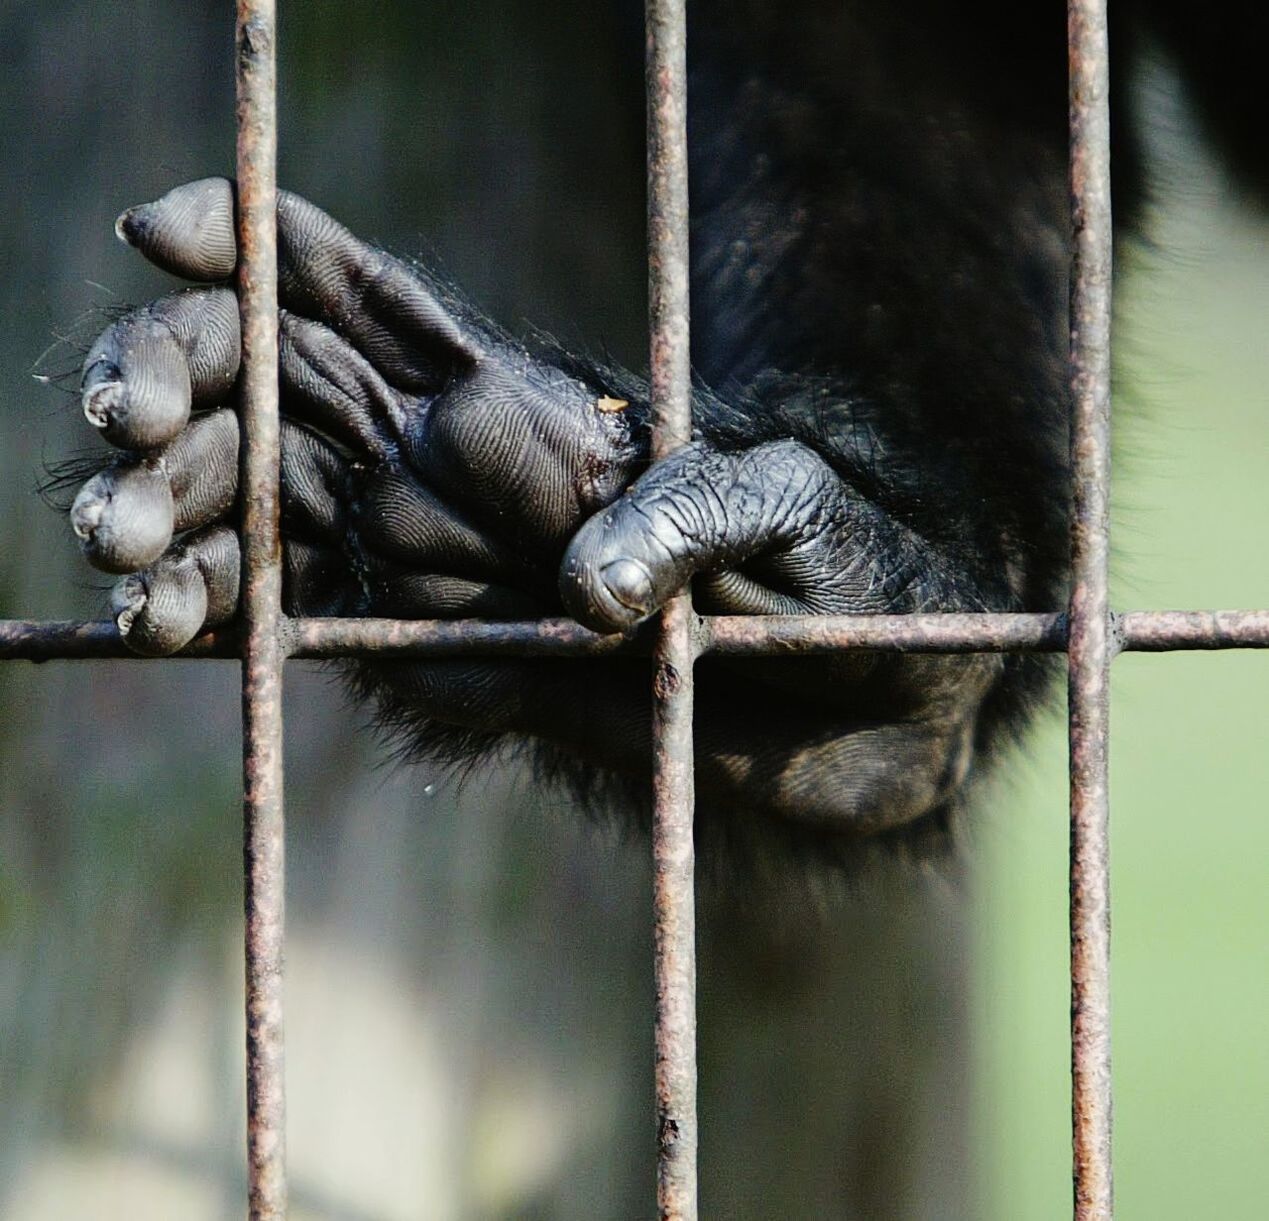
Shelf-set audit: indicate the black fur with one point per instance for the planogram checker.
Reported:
(880, 250)
(880, 257)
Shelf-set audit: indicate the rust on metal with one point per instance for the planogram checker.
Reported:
(1090, 645)
(1090, 633)
(740, 636)
(1167, 631)
(721, 635)
(262, 654)
(674, 909)
(68, 640)
(673, 797)
(455, 637)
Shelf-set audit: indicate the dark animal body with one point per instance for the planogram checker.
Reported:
(880, 253)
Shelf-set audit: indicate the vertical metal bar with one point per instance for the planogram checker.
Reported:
(263, 825)
(672, 781)
(1090, 644)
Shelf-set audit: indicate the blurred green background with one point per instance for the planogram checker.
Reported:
(468, 973)
(1189, 762)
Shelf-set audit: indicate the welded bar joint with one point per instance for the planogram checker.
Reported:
(1090, 644)
(262, 651)
(673, 798)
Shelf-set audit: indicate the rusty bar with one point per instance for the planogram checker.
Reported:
(1133, 631)
(68, 640)
(1168, 631)
(718, 636)
(456, 638)
(673, 796)
(1090, 645)
(263, 819)
(745, 636)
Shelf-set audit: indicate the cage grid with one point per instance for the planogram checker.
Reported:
(1089, 632)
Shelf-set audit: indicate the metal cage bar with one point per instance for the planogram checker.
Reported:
(1090, 632)
(674, 652)
(264, 876)
(1090, 643)
(738, 635)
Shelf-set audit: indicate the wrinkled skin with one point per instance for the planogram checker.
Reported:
(879, 299)
(432, 470)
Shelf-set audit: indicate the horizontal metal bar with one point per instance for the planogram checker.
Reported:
(456, 637)
(94, 640)
(316, 639)
(747, 635)
(720, 636)
(1170, 631)
(1134, 631)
